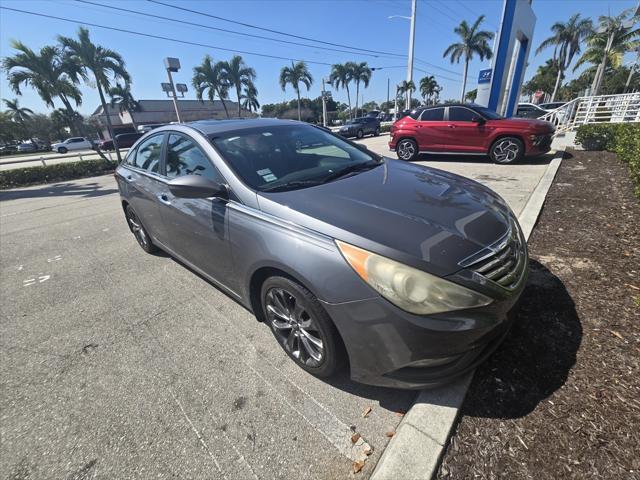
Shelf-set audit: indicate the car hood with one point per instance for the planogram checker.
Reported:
(525, 123)
(418, 215)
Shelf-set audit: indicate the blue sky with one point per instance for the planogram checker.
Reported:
(358, 23)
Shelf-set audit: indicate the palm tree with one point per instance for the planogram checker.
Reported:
(208, 78)
(404, 88)
(617, 36)
(360, 72)
(98, 62)
(473, 41)
(250, 98)
(297, 74)
(47, 72)
(238, 75)
(566, 40)
(122, 97)
(18, 115)
(428, 88)
(340, 77)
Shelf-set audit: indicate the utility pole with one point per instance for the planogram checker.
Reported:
(324, 104)
(412, 34)
(388, 82)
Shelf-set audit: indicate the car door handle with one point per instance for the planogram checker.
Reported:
(164, 199)
(451, 126)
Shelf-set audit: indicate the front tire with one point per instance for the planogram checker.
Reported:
(407, 149)
(138, 230)
(506, 150)
(360, 134)
(301, 326)
(62, 150)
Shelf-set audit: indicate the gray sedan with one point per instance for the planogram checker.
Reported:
(404, 273)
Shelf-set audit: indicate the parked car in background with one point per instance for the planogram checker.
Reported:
(551, 105)
(73, 143)
(8, 149)
(359, 127)
(27, 147)
(470, 130)
(149, 127)
(408, 272)
(529, 110)
(124, 140)
(373, 114)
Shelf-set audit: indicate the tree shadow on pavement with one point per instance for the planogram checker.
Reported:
(537, 355)
(66, 189)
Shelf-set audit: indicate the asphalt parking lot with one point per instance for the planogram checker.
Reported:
(119, 364)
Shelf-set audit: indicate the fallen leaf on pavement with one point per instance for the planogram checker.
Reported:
(368, 450)
(617, 334)
(366, 412)
(390, 433)
(355, 437)
(400, 414)
(357, 466)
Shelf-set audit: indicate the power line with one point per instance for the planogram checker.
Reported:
(160, 37)
(185, 22)
(248, 25)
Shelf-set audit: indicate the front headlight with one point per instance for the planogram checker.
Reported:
(409, 288)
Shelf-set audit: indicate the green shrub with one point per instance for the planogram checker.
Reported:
(21, 177)
(385, 128)
(621, 138)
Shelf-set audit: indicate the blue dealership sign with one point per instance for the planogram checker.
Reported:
(484, 76)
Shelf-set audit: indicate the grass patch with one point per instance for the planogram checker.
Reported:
(22, 177)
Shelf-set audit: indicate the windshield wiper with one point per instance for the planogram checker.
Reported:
(350, 169)
(292, 183)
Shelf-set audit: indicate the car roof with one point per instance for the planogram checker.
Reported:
(213, 127)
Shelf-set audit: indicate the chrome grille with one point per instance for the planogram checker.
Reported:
(504, 262)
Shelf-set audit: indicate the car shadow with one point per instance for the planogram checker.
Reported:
(66, 189)
(535, 359)
(461, 158)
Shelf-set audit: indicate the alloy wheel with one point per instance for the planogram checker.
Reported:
(406, 150)
(506, 151)
(297, 331)
(137, 229)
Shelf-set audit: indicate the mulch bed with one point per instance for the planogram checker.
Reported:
(561, 397)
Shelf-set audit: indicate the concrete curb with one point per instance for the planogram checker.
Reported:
(416, 449)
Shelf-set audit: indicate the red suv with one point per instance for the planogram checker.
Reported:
(469, 130)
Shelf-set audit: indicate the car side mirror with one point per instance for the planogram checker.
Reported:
(195, 186)
(479, 120)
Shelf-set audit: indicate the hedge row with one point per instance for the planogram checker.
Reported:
(22, 177)
(621, 138)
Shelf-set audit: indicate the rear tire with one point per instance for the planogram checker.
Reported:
(377, 132)
(407, 149)
(506, 150)
(360, 134)
(138, 230)
(301, 326)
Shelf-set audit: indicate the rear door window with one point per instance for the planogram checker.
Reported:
(432, 115)
(148, 154)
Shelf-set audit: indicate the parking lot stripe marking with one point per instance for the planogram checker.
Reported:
(195, 430)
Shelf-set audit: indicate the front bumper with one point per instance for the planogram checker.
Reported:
(384, 343)
(539, 144)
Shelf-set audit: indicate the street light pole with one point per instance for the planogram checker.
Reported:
(173, 65)
(324, 104)
(412, 34)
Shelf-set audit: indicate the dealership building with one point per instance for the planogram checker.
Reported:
(163, 111)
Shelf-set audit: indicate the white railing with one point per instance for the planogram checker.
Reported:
(71, 156)
(599, 109)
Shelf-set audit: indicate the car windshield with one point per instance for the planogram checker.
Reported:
(287, 157)
(489, 114)
(356, 120)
